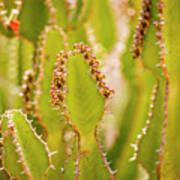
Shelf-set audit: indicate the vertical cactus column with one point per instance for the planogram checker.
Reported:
(74, 88)
(147, 46)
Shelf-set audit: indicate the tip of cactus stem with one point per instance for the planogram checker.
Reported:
(58, 87)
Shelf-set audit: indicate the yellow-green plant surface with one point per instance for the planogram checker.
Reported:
(54, 95)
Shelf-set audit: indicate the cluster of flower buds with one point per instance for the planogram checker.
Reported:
(26, 90)
(141, 28)
(11, 21)
(58, 87)
(94, 68)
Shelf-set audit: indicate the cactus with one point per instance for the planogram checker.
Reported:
(54, 98)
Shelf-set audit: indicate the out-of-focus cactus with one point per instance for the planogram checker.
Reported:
(152, 48)
(58, 96)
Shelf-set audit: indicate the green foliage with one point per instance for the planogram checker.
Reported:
(58, 97)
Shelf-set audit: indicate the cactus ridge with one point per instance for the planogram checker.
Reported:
(160, 28)
(41, 61)
(59, 88)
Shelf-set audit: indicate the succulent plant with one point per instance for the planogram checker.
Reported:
(54, 96)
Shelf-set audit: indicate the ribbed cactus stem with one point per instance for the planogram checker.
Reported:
(60, 89)
(58, 94)
(21, 139)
